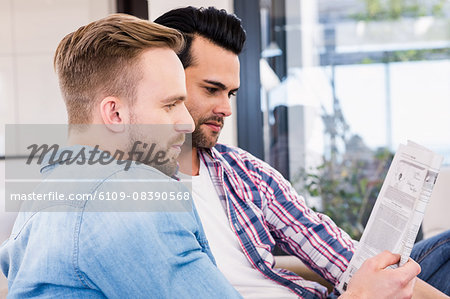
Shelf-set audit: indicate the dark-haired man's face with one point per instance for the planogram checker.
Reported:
(211, 80)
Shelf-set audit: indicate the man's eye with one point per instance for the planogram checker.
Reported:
(170, 106)
(211, 90)
(231, 94)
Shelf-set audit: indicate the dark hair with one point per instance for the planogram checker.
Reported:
(218, 26)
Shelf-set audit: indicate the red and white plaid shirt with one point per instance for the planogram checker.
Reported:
(264, 209)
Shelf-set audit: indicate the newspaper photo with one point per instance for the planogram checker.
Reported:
(398, 212)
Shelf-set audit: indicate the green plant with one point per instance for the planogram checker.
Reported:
(348, 189)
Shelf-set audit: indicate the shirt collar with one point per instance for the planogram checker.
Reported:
(210, 152)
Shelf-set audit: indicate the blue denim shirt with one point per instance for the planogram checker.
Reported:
(73, 249)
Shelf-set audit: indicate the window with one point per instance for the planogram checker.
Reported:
(343, 83)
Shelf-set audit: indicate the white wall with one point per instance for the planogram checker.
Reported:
(157, 8)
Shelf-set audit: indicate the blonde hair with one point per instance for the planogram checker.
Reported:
(101, 59)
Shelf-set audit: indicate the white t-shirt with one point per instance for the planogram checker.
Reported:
(225, 246)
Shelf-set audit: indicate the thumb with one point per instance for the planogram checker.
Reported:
(385, 259)
(410, 269)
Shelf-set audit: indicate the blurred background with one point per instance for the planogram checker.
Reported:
(329, 89)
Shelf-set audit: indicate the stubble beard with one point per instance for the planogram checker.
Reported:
(170, 167)
(200, 139)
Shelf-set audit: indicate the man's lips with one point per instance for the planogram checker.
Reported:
(215, 126)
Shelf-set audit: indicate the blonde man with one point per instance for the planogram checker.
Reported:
(119, 76)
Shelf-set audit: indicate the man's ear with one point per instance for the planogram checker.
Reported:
(114, 113)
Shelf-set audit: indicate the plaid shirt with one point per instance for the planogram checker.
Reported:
(264, 209)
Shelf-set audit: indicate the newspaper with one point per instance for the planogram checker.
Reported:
(398, 212)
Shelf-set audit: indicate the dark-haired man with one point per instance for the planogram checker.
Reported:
(246, 206)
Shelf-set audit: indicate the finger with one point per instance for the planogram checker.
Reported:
(410, 269)
(385, 259)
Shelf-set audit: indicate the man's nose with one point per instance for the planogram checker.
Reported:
(223, 107)
(184, 122)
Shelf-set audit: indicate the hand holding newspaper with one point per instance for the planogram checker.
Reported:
(398, 212)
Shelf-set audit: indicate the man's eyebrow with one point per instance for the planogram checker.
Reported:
(174, 99)
(219, 85)
(216, 83)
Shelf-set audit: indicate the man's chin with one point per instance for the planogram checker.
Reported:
(173, 153)
(169, 169)
(204, 139)
(205, 143)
